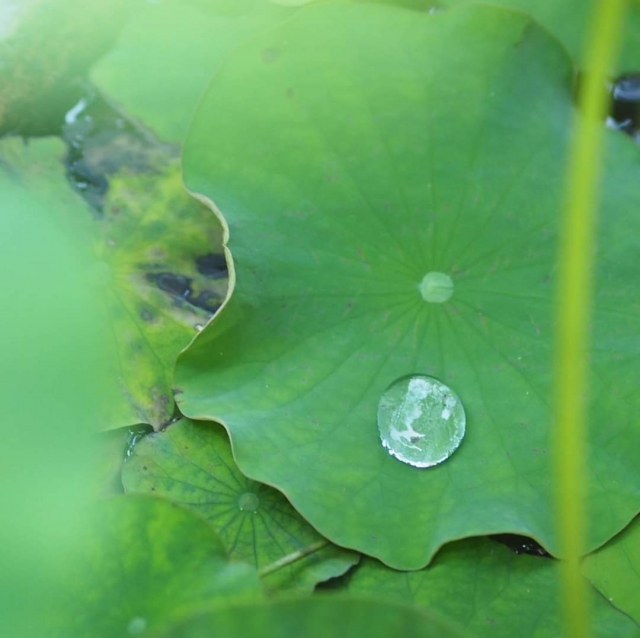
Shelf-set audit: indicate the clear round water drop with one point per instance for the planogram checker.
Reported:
(248, 502)
(421, 420)
(436, 287)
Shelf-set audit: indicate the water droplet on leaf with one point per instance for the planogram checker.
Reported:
(436, 287)
(421, 420)
(248, 502)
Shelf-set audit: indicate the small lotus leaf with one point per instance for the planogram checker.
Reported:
(191, 464)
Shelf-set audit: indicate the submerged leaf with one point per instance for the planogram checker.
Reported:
(162, 271)
(165, 276)
(191, 463)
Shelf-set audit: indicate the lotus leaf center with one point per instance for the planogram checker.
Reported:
(436, 287)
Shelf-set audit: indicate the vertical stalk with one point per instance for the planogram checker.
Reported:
(573, 306)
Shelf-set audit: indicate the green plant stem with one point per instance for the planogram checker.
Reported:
(575, 275)
(292, 558)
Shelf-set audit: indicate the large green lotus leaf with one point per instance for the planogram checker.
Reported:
(164, 275)
(146, 562)
(387, 144)
(317, 617)
(615, 570)
(192, 464)
(168, 52)
(569, 21)
(490, 591)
